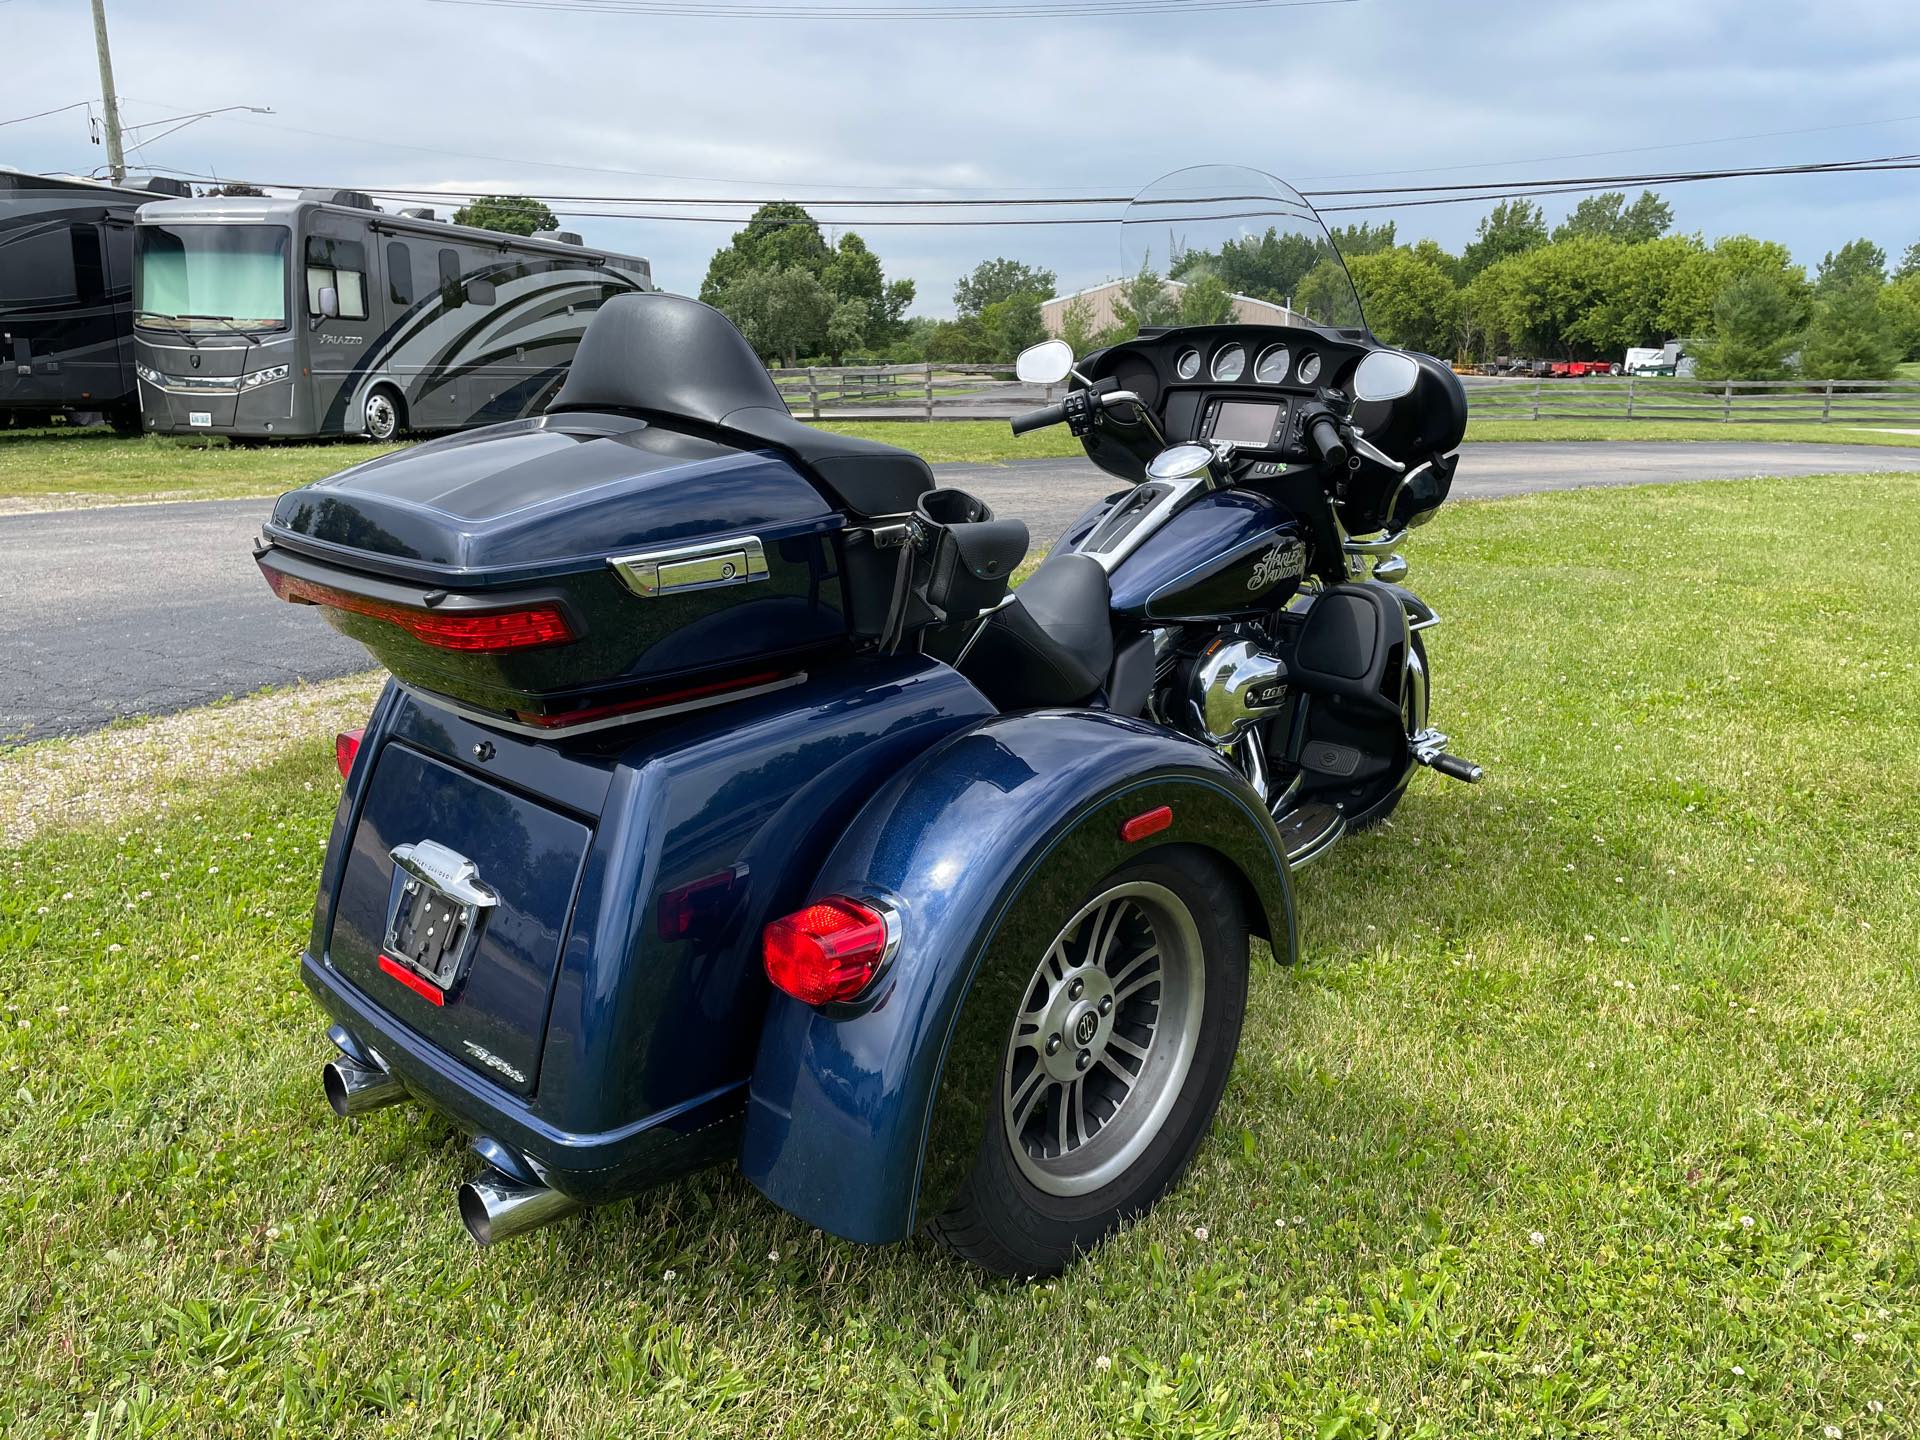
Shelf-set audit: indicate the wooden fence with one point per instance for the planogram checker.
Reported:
(990, 392)
(1791, 402)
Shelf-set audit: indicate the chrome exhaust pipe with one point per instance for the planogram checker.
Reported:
(354, 1089)
(494, 1206)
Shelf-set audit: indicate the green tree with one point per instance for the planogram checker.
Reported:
(957, 341)
(1011, 325)
(1143, 300)
(783, 314)
(1855, 334)
(1640, 302)
(1076, 325)
(1903, 297)
(1204, 300)
(1325, 296)
(1607, 216)
(1000, 279)
(851, 272)
(1513, 228)
(1409, 296)
(1362, 238)
(1854, 261)
(510, 214)
(1757, 322)
(847, 328)
(1909, 263)
(1267, 267)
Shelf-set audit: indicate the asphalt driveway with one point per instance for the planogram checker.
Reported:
(140, 609)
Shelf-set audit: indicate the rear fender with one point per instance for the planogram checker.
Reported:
(863, 1116)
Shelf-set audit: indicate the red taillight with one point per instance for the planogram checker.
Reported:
(1147, 822)
(828, 951)
(346, 745)
(447, 630)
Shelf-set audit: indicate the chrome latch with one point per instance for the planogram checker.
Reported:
(739, 560)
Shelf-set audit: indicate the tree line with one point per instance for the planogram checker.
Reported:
(1610, 277)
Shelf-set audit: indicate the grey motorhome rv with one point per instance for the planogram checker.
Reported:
(66, 296)
(324, 315)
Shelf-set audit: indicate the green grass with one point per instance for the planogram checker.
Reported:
(68, 466)
(1591, 1110)
(85, 467)
(1909, 370)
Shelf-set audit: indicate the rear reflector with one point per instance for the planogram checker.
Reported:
(519, 629)
(425, 989)
(1148, 822)
(829, 951)
(346, 745)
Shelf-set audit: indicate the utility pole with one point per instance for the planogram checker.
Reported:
(116, 162)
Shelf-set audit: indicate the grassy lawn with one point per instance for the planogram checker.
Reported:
(1592, 1109)
(58, 468)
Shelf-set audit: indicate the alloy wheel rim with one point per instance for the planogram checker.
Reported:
(1104, 1038)
(380, 416)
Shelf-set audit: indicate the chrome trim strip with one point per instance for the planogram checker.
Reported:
(738, 560)
(588, 727)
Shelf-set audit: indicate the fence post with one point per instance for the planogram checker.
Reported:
(1726, 404)
(1536, 398)
(1826, 405)
(1630, 380)
(929, 390)
(813, 391)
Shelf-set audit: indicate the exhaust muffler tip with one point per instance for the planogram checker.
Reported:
(354, 1089)
(495, 1207)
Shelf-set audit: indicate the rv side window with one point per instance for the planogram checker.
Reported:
(452, 296)
(37, 270)
(343, 265)
(399, 273)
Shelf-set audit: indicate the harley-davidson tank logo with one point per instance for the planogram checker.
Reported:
(1287, 560)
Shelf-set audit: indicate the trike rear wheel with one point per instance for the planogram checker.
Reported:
(1112, 1068)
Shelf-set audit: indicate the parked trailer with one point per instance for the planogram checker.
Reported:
(324, 315)
(66, 296)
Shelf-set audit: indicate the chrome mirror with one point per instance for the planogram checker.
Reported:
(1047, 363)
(1385, 375)
(329, 302)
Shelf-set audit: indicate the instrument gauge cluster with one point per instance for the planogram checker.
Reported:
(1271, 367)
(1229, 363)
(1308, 370)
(1187, 367)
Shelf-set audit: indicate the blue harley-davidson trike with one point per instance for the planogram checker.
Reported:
(727, 803)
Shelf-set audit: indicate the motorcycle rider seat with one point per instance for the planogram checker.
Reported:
(668, 358)
(1052, 644)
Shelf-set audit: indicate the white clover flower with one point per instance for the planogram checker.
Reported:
(1746, 1222)
(1102, 1362)
(774, 1255)
(1536, 1238)
(1199, 1232)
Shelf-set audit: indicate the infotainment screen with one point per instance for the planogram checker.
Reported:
(1246, 422)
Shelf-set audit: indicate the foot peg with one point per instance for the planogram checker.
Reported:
(1430, 749)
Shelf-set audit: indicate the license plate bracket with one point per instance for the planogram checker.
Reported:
(435, 912)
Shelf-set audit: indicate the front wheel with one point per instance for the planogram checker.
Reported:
(1112, 1069)
(384, 417)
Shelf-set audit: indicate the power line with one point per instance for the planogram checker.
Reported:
(41, 114)
(764, 10)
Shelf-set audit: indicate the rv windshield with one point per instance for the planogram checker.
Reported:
(211, 277)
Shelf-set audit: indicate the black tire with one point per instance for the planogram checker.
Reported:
(1378, 811)
(1005, 1222)
(386, 415)
(125, 420)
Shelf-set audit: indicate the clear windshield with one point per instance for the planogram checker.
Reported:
(211, 277)
(1220, 244)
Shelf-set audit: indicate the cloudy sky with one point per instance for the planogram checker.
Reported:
(390, 93)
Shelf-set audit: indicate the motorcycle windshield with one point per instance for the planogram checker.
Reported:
(1222, 245)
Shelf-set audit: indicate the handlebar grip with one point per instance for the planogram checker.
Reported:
(1326, 439)
(1038, 419)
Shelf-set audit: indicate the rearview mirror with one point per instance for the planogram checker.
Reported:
(1047, 363)
(1385, 375)
(330, 302)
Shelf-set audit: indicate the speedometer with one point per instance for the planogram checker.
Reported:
(1229, 363)
(1271, 368)
(1188, 365)
(1309, 370)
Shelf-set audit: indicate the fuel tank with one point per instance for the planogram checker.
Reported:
(1230, 555)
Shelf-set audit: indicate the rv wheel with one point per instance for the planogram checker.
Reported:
(385, 415)
(1112, 1068)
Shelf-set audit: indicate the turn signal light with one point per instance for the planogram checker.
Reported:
(446, 630)
(346, 745)
(829, 951)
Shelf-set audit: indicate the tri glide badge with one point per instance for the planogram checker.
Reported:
(1286, 560)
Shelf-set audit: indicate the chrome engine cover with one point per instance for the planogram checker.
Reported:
(1233, 683)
